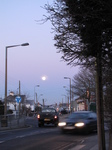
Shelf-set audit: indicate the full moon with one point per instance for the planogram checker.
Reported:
(44, 78)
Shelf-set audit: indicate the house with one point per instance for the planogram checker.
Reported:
(81, 104)
(15, 105)
(84, 104)
(74, 105)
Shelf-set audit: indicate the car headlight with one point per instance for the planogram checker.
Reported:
(61, 124)
(79, 124)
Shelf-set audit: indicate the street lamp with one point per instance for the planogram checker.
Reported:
(66, 90)
(24, 44)
(65, 97)
(70, 90)
(34, 91)
(40, 96)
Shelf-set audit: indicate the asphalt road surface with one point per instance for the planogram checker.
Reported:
(45, 138)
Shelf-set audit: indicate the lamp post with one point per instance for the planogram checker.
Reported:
(70, 90)
(37, 98)
(34, 91)
(24, 44)
(40, 96)
(65, 97)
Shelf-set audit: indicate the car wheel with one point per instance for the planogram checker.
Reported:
(39, 125)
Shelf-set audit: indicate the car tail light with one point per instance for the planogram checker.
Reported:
(38, 116)
(55, 117)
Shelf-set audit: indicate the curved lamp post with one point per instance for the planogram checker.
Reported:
(24, 44)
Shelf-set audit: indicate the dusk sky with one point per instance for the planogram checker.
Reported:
(29, 63)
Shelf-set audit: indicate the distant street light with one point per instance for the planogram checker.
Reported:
(70, 90)
(65, 97)
(65, 88)
(34, 91)
(39, 97)
(24, 44)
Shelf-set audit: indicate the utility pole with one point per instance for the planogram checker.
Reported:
(43, 102)
(19, 88)
(68, 103)
(36, 99)
(19, 95)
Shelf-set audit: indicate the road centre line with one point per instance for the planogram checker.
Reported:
(78, 147)
(1, 142)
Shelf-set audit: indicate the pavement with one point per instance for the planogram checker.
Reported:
(91, 143)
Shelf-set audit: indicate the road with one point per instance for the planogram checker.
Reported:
(45, 138)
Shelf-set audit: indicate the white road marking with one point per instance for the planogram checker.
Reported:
(34, 133)
(1, 142)
(78, 147)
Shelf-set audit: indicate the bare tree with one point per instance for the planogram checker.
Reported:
(83, 36)
(84, 81)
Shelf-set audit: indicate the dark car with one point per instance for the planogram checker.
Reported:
(48, 116)
(64, 111)
(81, 121)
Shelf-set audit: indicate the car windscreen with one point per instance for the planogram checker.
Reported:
(79, 116)
(48, 110)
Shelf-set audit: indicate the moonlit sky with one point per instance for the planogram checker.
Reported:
(28, 64)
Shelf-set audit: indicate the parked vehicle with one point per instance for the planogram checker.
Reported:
(81, 121)
(92, 106)
(48, 116)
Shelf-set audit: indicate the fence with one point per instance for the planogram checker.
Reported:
(11, 121)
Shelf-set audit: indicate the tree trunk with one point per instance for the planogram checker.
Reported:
(99, 104)
(110, 139)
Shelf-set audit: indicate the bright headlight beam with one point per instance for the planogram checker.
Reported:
(60, 124)
(80, 124)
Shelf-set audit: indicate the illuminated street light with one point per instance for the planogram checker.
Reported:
(70, 90)
(24, 44)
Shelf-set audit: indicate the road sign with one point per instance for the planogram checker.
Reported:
(18, 99)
